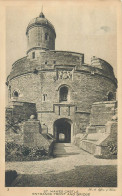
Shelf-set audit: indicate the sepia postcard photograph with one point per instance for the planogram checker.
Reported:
(61, 98)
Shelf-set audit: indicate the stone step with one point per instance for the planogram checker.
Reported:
(65, 149)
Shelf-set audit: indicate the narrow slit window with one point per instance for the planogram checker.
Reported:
(33, 55)
(44, 97)
(46, 36)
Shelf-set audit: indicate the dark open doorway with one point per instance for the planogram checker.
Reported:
(62, 131)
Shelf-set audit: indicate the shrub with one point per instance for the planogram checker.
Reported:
(25, 150)
(16, 152)
(112, 147)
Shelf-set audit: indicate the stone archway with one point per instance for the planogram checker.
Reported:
(62, 130)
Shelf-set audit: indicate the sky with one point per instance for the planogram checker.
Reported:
(91, 30)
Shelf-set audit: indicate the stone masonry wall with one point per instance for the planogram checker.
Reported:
(36, 38)
(81, 122)
(49, 60)
(101, 113)
(46, 60)
(84, 90)
(20, 110)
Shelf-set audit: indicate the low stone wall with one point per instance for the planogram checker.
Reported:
(32, 136)
(30, 141)
(24, 131)
(110, 143)
(101, 135)
(88, 146)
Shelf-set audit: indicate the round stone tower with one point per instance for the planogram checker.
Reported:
(40, 36)
(61, 85)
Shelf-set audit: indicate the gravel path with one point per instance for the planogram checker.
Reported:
(70, 159)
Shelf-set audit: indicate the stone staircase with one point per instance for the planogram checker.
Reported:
(65, 149)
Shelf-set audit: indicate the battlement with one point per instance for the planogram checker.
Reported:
(57, 57)
(50, 60)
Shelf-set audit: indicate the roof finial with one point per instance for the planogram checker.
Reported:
(41, 14)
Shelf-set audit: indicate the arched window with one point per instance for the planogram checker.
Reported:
(63, 93)
(15, 94)
(110, 96)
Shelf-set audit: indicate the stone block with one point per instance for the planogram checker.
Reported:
(88, 146)
(32, 136)
(102, 112)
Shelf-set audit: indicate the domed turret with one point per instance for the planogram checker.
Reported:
(40, 36)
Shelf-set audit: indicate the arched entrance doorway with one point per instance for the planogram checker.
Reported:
(62, 130)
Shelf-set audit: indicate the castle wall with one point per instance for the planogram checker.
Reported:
(84, 89)
(39, 81)
(46, 60)
(43, 89)
(28, 87)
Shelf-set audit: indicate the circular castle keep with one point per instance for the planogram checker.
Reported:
(60, 83)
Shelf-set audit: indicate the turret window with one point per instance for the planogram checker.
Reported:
(46, 36)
